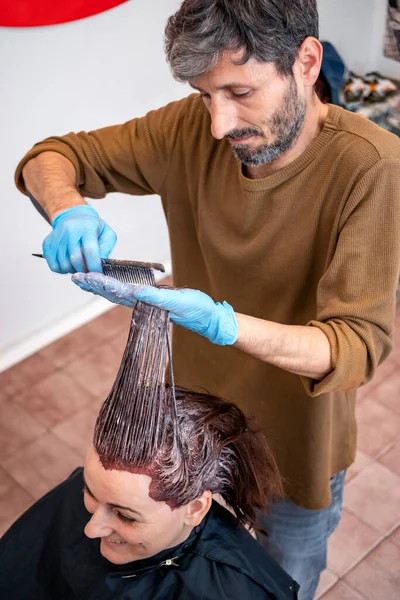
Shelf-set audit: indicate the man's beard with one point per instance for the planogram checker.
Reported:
(284, 125)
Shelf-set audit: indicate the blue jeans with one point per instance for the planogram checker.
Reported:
(298, 537)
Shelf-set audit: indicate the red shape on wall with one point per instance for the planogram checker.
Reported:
(35, 13)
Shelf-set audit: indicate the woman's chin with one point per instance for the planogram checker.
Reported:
(120, 554)
(115, 553)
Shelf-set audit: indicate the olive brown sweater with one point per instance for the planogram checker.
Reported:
(316, 243)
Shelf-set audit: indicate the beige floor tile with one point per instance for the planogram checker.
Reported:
(382, 373)
(17, 428)
(24, 374)
(6, 482)
(12, 504)
(327, 580)
(388, 391)
(97, 404)
(385, 370)
(96, 371)
(54, 399)
(42, 465)
(378, 426)
(77, 431)
(112, 322)
(378, 575)
(391, 459)
(364, 392)
(374, 497)
(395, 355)
(3, 397)
(69, 347)
(395, 537)
(341, 591)
(397, 329)
(362, 460)
(351, 541)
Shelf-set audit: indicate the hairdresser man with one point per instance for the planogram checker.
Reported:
(285, 214)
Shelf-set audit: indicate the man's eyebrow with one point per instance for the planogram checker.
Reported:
(132, 510)
(226, 86)
(195, 87)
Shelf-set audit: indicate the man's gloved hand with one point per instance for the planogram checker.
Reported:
(79, 240)
(189, 308)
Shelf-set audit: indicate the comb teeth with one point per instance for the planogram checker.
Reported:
(129, 273)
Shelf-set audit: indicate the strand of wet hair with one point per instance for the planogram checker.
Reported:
(136, 419)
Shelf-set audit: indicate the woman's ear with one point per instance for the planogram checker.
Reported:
(197, 509)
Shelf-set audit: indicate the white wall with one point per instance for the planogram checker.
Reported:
(348, 25)
(356, 28)
(87, 74)
(82, 75)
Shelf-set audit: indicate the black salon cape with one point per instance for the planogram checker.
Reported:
(45, 555)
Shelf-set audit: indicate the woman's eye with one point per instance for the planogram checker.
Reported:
(124, 518)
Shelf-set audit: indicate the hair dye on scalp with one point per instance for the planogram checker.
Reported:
(187, 442)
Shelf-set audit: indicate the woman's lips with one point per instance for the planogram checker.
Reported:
(114, 542)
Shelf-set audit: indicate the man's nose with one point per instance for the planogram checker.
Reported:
(99, 525)
(223, 120)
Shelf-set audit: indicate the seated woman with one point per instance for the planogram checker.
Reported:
(139, 521)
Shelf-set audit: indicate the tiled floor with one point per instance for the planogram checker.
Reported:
(48, 404)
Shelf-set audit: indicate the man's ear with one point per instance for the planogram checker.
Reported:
(309, 61)
(197, 509)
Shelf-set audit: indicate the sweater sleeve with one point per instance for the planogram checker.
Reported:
(356, 297)
(132, 158)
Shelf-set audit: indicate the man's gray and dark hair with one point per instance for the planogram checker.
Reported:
(267, 30)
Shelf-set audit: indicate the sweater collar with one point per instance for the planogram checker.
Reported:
(300, 163)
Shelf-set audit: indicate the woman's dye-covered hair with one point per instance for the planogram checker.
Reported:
(186, 441)
(269, 31)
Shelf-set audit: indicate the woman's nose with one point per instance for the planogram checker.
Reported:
(99, 525)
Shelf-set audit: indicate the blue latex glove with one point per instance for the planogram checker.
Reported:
(79, 240)
(189, 308)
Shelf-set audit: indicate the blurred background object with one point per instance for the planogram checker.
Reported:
(392, 33)
(35, 13)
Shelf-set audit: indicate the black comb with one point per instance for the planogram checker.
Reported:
(129, 271)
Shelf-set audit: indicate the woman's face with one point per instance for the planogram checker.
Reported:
(131, 525)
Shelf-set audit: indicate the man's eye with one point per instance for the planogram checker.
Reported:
(242, 95)
(124, 518)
